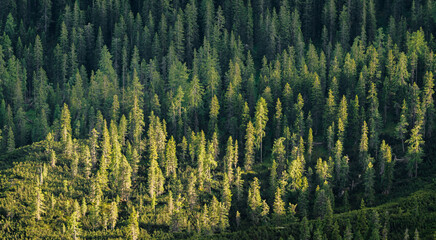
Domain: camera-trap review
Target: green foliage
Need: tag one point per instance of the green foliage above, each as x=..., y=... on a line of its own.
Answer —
x=127, y=107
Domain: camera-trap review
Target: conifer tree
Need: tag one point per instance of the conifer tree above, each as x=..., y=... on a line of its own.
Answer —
x=65, y=123
x=363, y=147
x=249, y=146
x=374, y=117
x=278, y=118
x=369, y=182
x=330, y=109
x=39, y=203
x=155, y=176
x=273, y=175
x=170, y=158
x=133, y=225
x=239, y=183
x=261, y=118
x=93, y=142
x=73, y=224
x=299, y=113
x=124, y=178
x=279, y=205
x=106, y=148
x=10, y=140
x=304, y=229
x=401, y=129
x=254, y=200
x=213, y=114
x=136, y=120
x=414, y=150
x=226, y=192
x=113, y=217
x=386, y=166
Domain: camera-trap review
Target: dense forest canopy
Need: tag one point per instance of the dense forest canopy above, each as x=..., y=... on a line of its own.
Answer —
x=233, y=119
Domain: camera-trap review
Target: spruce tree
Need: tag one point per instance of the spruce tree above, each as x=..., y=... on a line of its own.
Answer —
x=65, y=123
x=133, y=225
x=414, y=150
x=261, y=119
x=249, y=146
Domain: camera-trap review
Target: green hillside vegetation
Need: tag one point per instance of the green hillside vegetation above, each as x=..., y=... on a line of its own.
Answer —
x=202, y=119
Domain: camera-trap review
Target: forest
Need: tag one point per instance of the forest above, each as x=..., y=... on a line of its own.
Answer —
x=206, y=119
